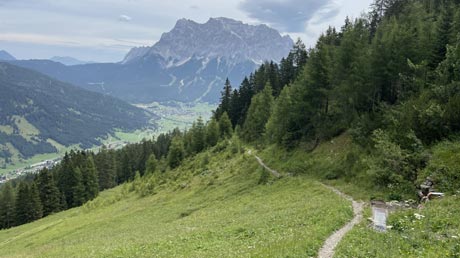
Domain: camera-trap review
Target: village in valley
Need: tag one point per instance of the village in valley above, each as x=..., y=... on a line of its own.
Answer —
x=49, y=163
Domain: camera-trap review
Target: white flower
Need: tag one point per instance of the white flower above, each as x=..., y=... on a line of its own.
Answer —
x=418, y=216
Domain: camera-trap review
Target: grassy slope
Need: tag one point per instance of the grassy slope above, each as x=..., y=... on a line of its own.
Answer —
x=328, y=159
x=437, y=234
x=213, y=208
x=434, y=234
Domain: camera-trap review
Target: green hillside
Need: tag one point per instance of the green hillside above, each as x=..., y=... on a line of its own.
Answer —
x=211, y=206
x=41, y=115
x=222, y=203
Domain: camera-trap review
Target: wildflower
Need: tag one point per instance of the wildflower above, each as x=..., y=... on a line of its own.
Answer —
x=418, y=216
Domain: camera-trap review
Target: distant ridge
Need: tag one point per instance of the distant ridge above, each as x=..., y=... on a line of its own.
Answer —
x=189, y=63
x=67, y=60
x=5, y=56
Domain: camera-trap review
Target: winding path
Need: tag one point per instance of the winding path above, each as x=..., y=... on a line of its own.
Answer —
x=327, y=250
x=261, y=162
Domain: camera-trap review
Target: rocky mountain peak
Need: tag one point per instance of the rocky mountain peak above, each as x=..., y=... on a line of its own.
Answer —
x=217, y=38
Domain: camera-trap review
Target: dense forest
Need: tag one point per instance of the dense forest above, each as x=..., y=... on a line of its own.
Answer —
x=389, y=79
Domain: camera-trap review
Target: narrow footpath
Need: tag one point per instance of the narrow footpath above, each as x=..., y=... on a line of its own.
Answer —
x=327, y=251
x=328, y=248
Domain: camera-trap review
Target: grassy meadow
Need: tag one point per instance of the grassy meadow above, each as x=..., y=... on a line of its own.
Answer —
x=216, y=205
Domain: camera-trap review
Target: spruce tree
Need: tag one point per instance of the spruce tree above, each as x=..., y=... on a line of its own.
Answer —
x=299, y=55
x=90, y=179
x=246, y=93
x=7, y=206
x=36, y=207
x=65, y=179
x=105, y=163
x=235, y=107
x=28, y=205
x=225, y=99
x=443, y=35
x=49, y=192
x=78, y=189
x=23, y=204
x=198, y=136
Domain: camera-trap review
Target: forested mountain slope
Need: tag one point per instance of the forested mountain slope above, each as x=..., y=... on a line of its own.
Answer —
x=38, y=111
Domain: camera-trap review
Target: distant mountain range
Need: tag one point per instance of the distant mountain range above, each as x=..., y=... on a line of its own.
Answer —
x=189, y=63
x=5, y=56
x=218, y=38
x=67, y=60
x=39, y=113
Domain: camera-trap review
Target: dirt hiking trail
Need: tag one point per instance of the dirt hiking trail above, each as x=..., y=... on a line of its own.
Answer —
x=327, y=250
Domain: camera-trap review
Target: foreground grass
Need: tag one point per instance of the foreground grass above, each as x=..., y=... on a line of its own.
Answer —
x=213, y=206
x=436, y=233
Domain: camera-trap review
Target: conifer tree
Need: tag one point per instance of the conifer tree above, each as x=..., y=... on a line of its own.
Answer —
x=198, y=136
x=225, y=126
x=49, y=193
x=151, y=165
x=176, y=152
x=36, y=205
x=65, y=179
x=212, y=133
x=258, y=114
x=299, y=55
x=235, y=107
x=225, y=99
x=90, y=179
x=105, y=163
x=7, y=206
x=278, y=123
x=78, y=189
x=443, y=35
x=246, y=92
x=287, y=71
x=28, y=205
x=23, y=204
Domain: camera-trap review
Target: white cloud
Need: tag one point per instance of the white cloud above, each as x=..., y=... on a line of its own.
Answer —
x=84, y=27
x=124, y=18
x=288, y=15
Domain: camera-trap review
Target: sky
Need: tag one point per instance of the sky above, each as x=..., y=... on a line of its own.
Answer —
x=105, y=30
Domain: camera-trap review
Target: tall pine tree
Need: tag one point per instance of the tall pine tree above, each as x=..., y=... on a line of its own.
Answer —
x=258, y=114
x=7, y=206
x=49, y=192
x=90, y=179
